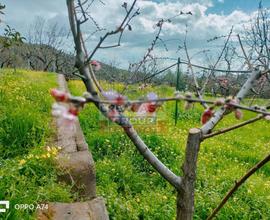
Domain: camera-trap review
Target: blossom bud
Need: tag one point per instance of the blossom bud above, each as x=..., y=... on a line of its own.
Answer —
x=96, y=65
x=267, y=117
x=207, y=114
x=220, y=102
x=59, y=96
x=238, y=114
x=74, y=111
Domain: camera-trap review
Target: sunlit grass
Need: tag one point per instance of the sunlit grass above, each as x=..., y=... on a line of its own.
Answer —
x=27, y=171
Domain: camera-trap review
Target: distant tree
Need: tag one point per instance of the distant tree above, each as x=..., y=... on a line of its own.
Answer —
x=257, y=36
x=11, y=40
x=45, y=49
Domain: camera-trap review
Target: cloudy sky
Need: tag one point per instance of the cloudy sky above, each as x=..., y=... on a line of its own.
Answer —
x=210, y=18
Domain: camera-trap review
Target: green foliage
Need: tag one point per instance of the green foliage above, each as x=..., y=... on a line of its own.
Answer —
x=27, y=171
x=12, y=37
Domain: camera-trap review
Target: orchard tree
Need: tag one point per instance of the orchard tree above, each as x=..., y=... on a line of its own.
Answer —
x=114, y=105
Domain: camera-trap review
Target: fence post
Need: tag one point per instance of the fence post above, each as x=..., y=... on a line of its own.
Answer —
x=177, y=89
x=185, y=198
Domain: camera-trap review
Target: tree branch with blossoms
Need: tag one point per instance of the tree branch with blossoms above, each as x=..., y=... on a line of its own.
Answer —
x=112, y=111
x=113, y=105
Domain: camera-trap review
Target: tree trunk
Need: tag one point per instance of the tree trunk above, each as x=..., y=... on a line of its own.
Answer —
x=185, y=200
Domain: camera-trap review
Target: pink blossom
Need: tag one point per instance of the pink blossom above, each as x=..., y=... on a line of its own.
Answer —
x=110, y=95
x=58, y=110
x=207, y=115
x=66, y=116
x=68, y=120
x=152, y=96
x=149, y=107
x=238, y=114
x=267, y=117
x=220, y=102
x=230, y=104
x=115, y=97
x=69, y=117
x=96, y=65
x=74, y=111
x=59, y=96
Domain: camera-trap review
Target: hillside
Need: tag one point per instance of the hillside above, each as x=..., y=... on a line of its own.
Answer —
x=47, y=58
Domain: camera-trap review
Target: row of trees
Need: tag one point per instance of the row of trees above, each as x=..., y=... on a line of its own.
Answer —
x=44, y=49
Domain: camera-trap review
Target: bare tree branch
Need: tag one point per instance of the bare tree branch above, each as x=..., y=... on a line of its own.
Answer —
x=216, y=63
x=119, y=29
x=225, y=130
x=238, y=184
x=240, y=95
x=197, y=87
x=121, y=120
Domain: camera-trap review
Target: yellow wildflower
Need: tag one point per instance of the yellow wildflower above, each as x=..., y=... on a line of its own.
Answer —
x=30, y=156
x=22, y=162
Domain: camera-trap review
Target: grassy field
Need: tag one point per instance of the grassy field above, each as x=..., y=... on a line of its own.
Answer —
x=134, y=191
x=130, y=186
x=27, y=171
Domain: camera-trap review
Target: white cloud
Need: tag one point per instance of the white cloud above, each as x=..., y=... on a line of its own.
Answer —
x=201, y=25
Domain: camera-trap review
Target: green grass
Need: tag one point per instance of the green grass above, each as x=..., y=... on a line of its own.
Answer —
x=27, y=171
x=134, y=191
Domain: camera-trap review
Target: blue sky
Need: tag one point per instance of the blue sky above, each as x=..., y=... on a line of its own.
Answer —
x=228, y=6
x=210, y=18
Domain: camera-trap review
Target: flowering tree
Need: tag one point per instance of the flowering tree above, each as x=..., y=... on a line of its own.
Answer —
x=113, y=105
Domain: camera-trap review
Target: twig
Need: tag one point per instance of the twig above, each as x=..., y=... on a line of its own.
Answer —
x=146, y=55
x=216, y=70
x=212, y=71
x=238, y=184
x=191, y=64
x=222, y=131
x=240, y=95
x=198, y=89
x=157, y=73
x=118, y=29
x=78, y=75
x=92, y=74
x=244, y=52
x=160, y=100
